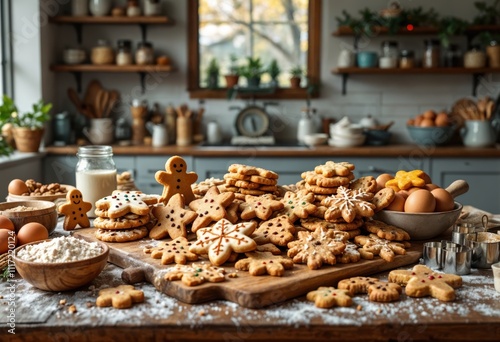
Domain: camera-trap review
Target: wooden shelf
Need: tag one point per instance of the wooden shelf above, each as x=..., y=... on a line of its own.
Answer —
x=111, y=68
x=347, y=31
x=142, y=70
x=476, y=73
x=278, y=93
x=149, y=20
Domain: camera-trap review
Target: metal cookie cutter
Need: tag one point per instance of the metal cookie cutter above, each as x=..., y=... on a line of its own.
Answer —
x=448, y=256
x=461, y=230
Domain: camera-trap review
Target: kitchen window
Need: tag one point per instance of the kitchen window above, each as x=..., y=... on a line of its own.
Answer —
x=286, y=30
x=5, y=49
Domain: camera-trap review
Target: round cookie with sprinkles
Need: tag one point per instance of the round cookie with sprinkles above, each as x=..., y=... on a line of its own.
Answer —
x=121, y=203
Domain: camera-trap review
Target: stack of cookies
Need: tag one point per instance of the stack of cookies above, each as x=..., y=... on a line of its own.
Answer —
x=326, y=178
x=122, y=216
x=250, y=180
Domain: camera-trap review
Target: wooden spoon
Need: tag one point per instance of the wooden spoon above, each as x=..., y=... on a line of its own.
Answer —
x=457, y=188
x=113, y=98
x=90, y=95
x=80, y=106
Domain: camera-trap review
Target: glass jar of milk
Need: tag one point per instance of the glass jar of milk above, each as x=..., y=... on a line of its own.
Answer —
x=95, y=173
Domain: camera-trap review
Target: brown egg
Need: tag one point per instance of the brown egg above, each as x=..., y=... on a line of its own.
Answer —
x=427, y=123
x=404, y=193
x=32, y=232
x=397, y=204
x=420, y=201
x=382, y=179
x=410, y=122
x=429, y=114
x=6, y=223
x=7, y=237
x=17, y=187
x=418, y=119
x=430, y=186
x=444, y=201
x=442, y=120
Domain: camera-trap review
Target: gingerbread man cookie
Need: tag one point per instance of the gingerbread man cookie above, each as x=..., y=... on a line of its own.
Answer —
x=75, y=210
x=327, y=297
x=421, y=281
x=120, y=297
x=175, y=180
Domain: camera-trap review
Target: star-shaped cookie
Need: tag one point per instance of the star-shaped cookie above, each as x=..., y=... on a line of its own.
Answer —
x=122, y=202
x=259, y=206
x=278, y=230
x=172, y=219
x=212, y=207
x=176, y=250
x=222, y=239
x=405, y=180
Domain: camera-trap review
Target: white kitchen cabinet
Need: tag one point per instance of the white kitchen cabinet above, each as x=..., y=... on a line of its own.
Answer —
x=19, y=165
x=482, y=174
x=146, y=169
x=61, y=169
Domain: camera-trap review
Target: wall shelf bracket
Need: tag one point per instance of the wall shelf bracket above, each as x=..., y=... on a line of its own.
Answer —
x=78, y=30
x=78, y=80
x=143, y=31
x=345, y=76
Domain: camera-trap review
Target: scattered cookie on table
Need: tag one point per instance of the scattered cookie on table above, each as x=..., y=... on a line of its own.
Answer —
x=176, y=180
x=327, y=297
x=120, y=297
x=259, y=263
x=75, y=210
x=377, y=290
x=421, y=281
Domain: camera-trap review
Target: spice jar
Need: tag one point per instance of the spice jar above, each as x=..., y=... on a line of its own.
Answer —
x=133, y=9
x=474, y=58
x=139, y=112
x=389, y=56
x=144, y=54
x=406, y=59
x=95, y=173
x=432, y=54
x=124, y=54
x=453, y=56
x=493, y=53
x=102, y=53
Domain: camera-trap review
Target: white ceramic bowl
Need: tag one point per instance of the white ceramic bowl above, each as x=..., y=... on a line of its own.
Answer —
x=74, y=56
x=340, y=141
x=315, y=139
x=421, y=226
x=352, y=129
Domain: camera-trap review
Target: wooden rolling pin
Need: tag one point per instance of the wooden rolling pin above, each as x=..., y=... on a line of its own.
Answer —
x=457, y=188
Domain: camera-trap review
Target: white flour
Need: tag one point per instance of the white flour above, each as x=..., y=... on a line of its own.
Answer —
x=61, y=249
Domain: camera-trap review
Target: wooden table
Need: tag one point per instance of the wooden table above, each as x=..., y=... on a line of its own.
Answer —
x=39, y=315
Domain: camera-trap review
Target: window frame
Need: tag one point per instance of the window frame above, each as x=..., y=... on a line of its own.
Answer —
x=6, y=86
x=313, y=60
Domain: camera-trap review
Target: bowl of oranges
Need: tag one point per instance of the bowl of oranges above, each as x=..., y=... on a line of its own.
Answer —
x=431, y=128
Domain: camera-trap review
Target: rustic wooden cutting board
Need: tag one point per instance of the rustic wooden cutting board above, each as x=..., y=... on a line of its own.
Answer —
x=246, y=290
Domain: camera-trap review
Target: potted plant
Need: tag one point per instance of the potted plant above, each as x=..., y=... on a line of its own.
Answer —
x=213, y=74
x=233, y=75
x=6, y=140
x=274, y=70
x=253, y=71
x=28, y=128
x=295, y=77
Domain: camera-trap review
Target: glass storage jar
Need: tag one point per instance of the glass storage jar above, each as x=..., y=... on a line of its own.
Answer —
x=144, y=54
x=493, y=54
x=103, y=53
x=453, y=56
x=406, y=59
x=389, y=56
x=475, y=58
x=124, y=54
x=95, y=173
x=432, y=54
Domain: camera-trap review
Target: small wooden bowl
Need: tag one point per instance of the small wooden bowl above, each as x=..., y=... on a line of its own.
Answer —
x=45, y=212
x=51, y=198
x=61, y=276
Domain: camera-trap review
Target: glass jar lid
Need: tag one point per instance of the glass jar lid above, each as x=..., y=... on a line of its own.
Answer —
x=95, y=151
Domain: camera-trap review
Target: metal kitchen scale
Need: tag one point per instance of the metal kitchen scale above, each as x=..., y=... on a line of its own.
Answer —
x=252, y=126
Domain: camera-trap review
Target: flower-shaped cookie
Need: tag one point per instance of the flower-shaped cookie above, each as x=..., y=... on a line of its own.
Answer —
x=297, y=205
x=222, y=239
x=259, y=263
x=327, y=297
x=196, y=274
x=315, y=248
x=386, y=249
x=330, y=169
x=348, y=204
x=404, y=180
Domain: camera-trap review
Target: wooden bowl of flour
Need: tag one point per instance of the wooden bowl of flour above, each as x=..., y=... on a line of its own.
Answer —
x=60, y=276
